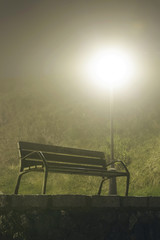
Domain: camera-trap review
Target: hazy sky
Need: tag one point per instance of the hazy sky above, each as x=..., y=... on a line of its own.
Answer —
x=46, y=38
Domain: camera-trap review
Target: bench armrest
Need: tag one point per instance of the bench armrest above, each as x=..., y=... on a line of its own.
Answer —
x=43, y=158
x=29, y=154
x=40, y=154
x=119, y=161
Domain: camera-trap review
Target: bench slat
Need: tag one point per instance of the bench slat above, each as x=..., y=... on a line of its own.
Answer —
x=88, y=172
x=57, y=149
x=64, y=158
x=51, y=165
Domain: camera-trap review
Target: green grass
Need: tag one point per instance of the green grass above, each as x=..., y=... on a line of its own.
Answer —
x=32, y=114
x=143, y=161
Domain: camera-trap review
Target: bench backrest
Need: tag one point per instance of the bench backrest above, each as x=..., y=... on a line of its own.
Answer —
x=59, y=155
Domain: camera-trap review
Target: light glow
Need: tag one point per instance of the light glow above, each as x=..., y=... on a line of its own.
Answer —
x=110, y=67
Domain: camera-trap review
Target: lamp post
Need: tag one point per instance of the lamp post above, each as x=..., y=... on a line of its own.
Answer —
x=112, y=182
x=110, y=68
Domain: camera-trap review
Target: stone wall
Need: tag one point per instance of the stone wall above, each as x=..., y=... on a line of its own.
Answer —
x=79, y=217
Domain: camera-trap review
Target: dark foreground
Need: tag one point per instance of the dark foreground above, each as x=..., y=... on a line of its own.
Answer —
x=79, y=217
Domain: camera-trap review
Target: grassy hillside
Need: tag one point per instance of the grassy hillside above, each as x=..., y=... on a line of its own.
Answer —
x=53, y=114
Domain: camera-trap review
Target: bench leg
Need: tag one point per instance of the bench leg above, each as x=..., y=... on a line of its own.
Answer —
x=127, y=184
x=18, y=182
x=45, y=181
x=100, y=187
x=104, y=179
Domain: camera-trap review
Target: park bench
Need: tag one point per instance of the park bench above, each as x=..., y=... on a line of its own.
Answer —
x=36, y=157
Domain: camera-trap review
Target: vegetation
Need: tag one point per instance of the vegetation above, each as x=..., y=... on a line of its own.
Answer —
x=52, y=112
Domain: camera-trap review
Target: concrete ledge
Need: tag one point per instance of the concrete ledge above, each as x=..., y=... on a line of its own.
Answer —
x=135, y=202
x=19, y=202
x=105, y=202
x=154, y=202
x=69, y=201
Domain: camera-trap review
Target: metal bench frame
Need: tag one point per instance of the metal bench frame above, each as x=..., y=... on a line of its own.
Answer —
x=36, y=157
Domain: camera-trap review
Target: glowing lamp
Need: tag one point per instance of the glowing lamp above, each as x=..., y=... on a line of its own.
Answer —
x=110, y=67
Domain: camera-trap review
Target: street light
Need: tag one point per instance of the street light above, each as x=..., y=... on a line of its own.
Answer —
x=110, y=68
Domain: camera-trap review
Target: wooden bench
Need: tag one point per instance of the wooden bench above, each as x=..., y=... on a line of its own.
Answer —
x=36, y=157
